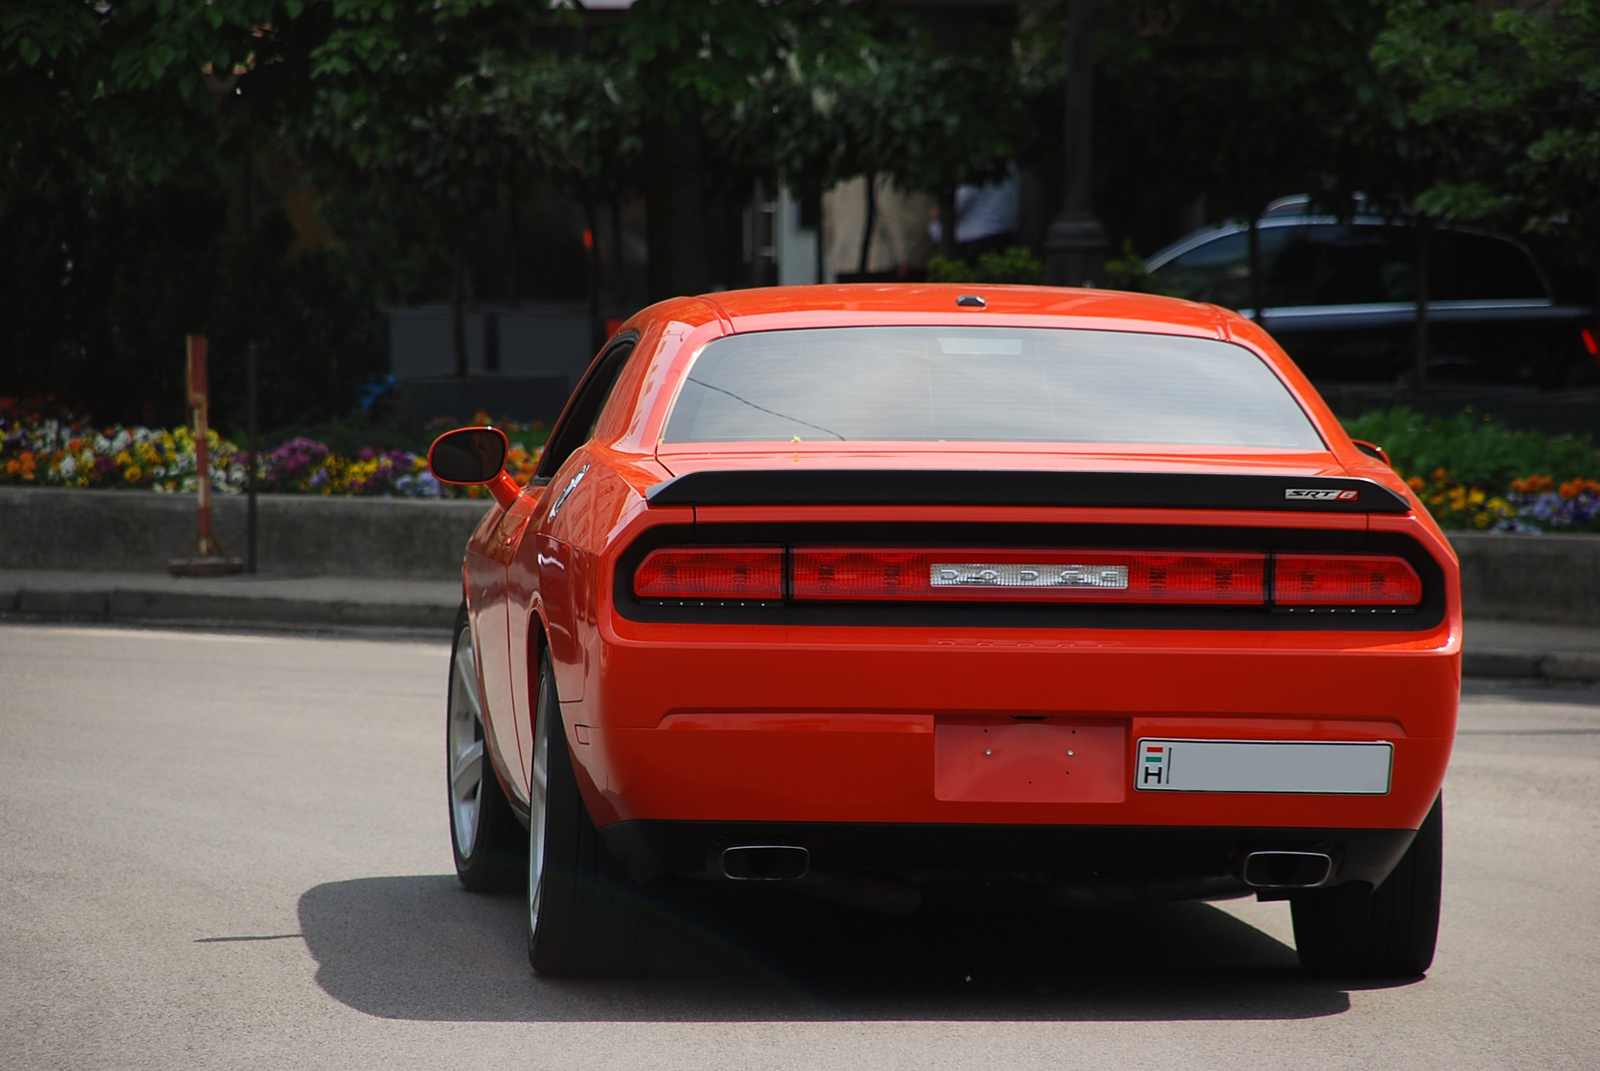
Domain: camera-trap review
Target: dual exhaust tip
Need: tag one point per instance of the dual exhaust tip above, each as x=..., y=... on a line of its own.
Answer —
x=1286, y=870
x=765, y=862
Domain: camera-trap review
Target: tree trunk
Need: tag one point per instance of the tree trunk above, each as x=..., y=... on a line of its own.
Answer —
x=513, y=241
x=1254, y=242
x=597, y=329
x=871, y=220
x=459, y=292
x=675, y=209
x=1422, y=234
x=947, y=222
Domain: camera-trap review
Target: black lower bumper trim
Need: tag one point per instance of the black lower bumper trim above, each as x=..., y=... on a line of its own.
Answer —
x=654, y=848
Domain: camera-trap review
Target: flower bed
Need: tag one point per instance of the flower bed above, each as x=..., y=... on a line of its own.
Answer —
x=63, y=451
x=1485, y=476
x=1532, y=505
x=1482, y=476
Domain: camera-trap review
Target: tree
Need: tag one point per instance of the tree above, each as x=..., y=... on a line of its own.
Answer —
x=126, y=211
x=1525, y=86
x=1238, y=101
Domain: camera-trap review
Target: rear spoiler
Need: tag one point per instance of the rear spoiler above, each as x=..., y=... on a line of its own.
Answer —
x=964, y=487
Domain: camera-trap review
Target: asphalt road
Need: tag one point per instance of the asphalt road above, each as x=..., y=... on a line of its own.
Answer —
x=230, y=851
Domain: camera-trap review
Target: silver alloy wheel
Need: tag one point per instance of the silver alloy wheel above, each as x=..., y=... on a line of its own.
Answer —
x=538, y=794
x=466, y=746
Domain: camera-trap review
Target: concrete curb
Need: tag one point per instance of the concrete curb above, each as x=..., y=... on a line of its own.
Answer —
x=1531, y=665
x=135, y=608
x=272, y=602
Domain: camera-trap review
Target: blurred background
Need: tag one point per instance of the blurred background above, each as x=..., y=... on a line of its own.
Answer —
x=420, y=208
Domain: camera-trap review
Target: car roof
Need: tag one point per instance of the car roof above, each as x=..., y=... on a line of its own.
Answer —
x=1194, y=239
x=939, y=304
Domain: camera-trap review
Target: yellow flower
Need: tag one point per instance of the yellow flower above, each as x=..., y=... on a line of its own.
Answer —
x=133, y=473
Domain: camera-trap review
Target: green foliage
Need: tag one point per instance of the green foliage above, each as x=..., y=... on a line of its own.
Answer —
x=1473, y=448
x=1522, y=87
x=108, y=287
x=1126, y=271
x=1239, y=101
x=1015, y=265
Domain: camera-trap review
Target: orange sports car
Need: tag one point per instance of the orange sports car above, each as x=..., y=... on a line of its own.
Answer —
x=861, y=588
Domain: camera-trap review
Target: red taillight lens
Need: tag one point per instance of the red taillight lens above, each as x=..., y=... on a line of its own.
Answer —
x=1197, y=578
x=710, y=573
x=1344, y=580
x=1029, y=576
x=1589, y=343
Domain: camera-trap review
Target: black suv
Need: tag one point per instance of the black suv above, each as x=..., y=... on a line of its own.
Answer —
x=1340, y=296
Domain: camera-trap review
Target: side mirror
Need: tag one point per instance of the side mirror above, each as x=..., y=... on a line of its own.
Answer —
x=474, y=456
x=1373, y=450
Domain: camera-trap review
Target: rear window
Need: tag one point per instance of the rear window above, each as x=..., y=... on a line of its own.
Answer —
x=936, y=384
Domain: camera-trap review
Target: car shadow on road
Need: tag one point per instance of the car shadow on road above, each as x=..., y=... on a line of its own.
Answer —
x=422, y=948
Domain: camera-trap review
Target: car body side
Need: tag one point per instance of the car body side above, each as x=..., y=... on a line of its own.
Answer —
x=810, y=723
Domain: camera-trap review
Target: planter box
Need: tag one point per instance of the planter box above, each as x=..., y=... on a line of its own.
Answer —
x=297, y=535
x=1529, y=578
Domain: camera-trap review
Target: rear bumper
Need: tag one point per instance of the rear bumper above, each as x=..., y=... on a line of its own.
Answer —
x=1108, y=854
x=806, y=728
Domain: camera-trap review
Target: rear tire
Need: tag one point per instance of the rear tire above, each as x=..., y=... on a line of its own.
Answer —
x=585, y=915
x=485, y=835
x=1388, y=932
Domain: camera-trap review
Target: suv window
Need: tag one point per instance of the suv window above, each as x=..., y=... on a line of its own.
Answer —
x=933, y=384
x=1351, y=264
x=1479, y=267
x=1341, y=264
x=1219, y=271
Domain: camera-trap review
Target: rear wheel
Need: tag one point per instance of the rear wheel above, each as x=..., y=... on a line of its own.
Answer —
x=1387, y=932
x=484, y=832
x=585, y=915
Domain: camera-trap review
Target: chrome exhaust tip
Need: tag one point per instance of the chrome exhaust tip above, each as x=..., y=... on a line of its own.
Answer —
x=765, y=862
x=1286, y=870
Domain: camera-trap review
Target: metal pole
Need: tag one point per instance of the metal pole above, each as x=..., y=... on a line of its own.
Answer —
x=251, y=365
x=209, y=558
x=202, y=445
x=1075, y=246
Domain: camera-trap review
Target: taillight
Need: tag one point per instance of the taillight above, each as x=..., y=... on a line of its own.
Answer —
x=872, y=574
x=1344, y=580
x=1589, y=343
x=710, y=573
x=834, y=573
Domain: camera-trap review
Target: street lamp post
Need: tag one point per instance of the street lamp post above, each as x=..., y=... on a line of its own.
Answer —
x=1075, y=246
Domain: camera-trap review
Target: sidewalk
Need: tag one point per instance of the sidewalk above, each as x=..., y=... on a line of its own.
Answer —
x=1493, y=648
x=262, y=600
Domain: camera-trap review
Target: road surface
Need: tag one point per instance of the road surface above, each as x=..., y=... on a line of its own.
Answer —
x=230, y=851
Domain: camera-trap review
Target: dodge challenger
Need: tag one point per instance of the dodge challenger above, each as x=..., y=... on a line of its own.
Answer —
x=866, y=588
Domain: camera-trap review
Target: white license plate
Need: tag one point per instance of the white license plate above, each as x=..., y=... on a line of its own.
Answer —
x=1350, y=769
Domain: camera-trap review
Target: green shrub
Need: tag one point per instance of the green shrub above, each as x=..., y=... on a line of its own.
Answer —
x=1014, y=265
x=1126, y=271
x=1473, y=448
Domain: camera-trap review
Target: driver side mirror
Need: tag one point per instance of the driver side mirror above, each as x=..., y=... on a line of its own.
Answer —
x=468, y=456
